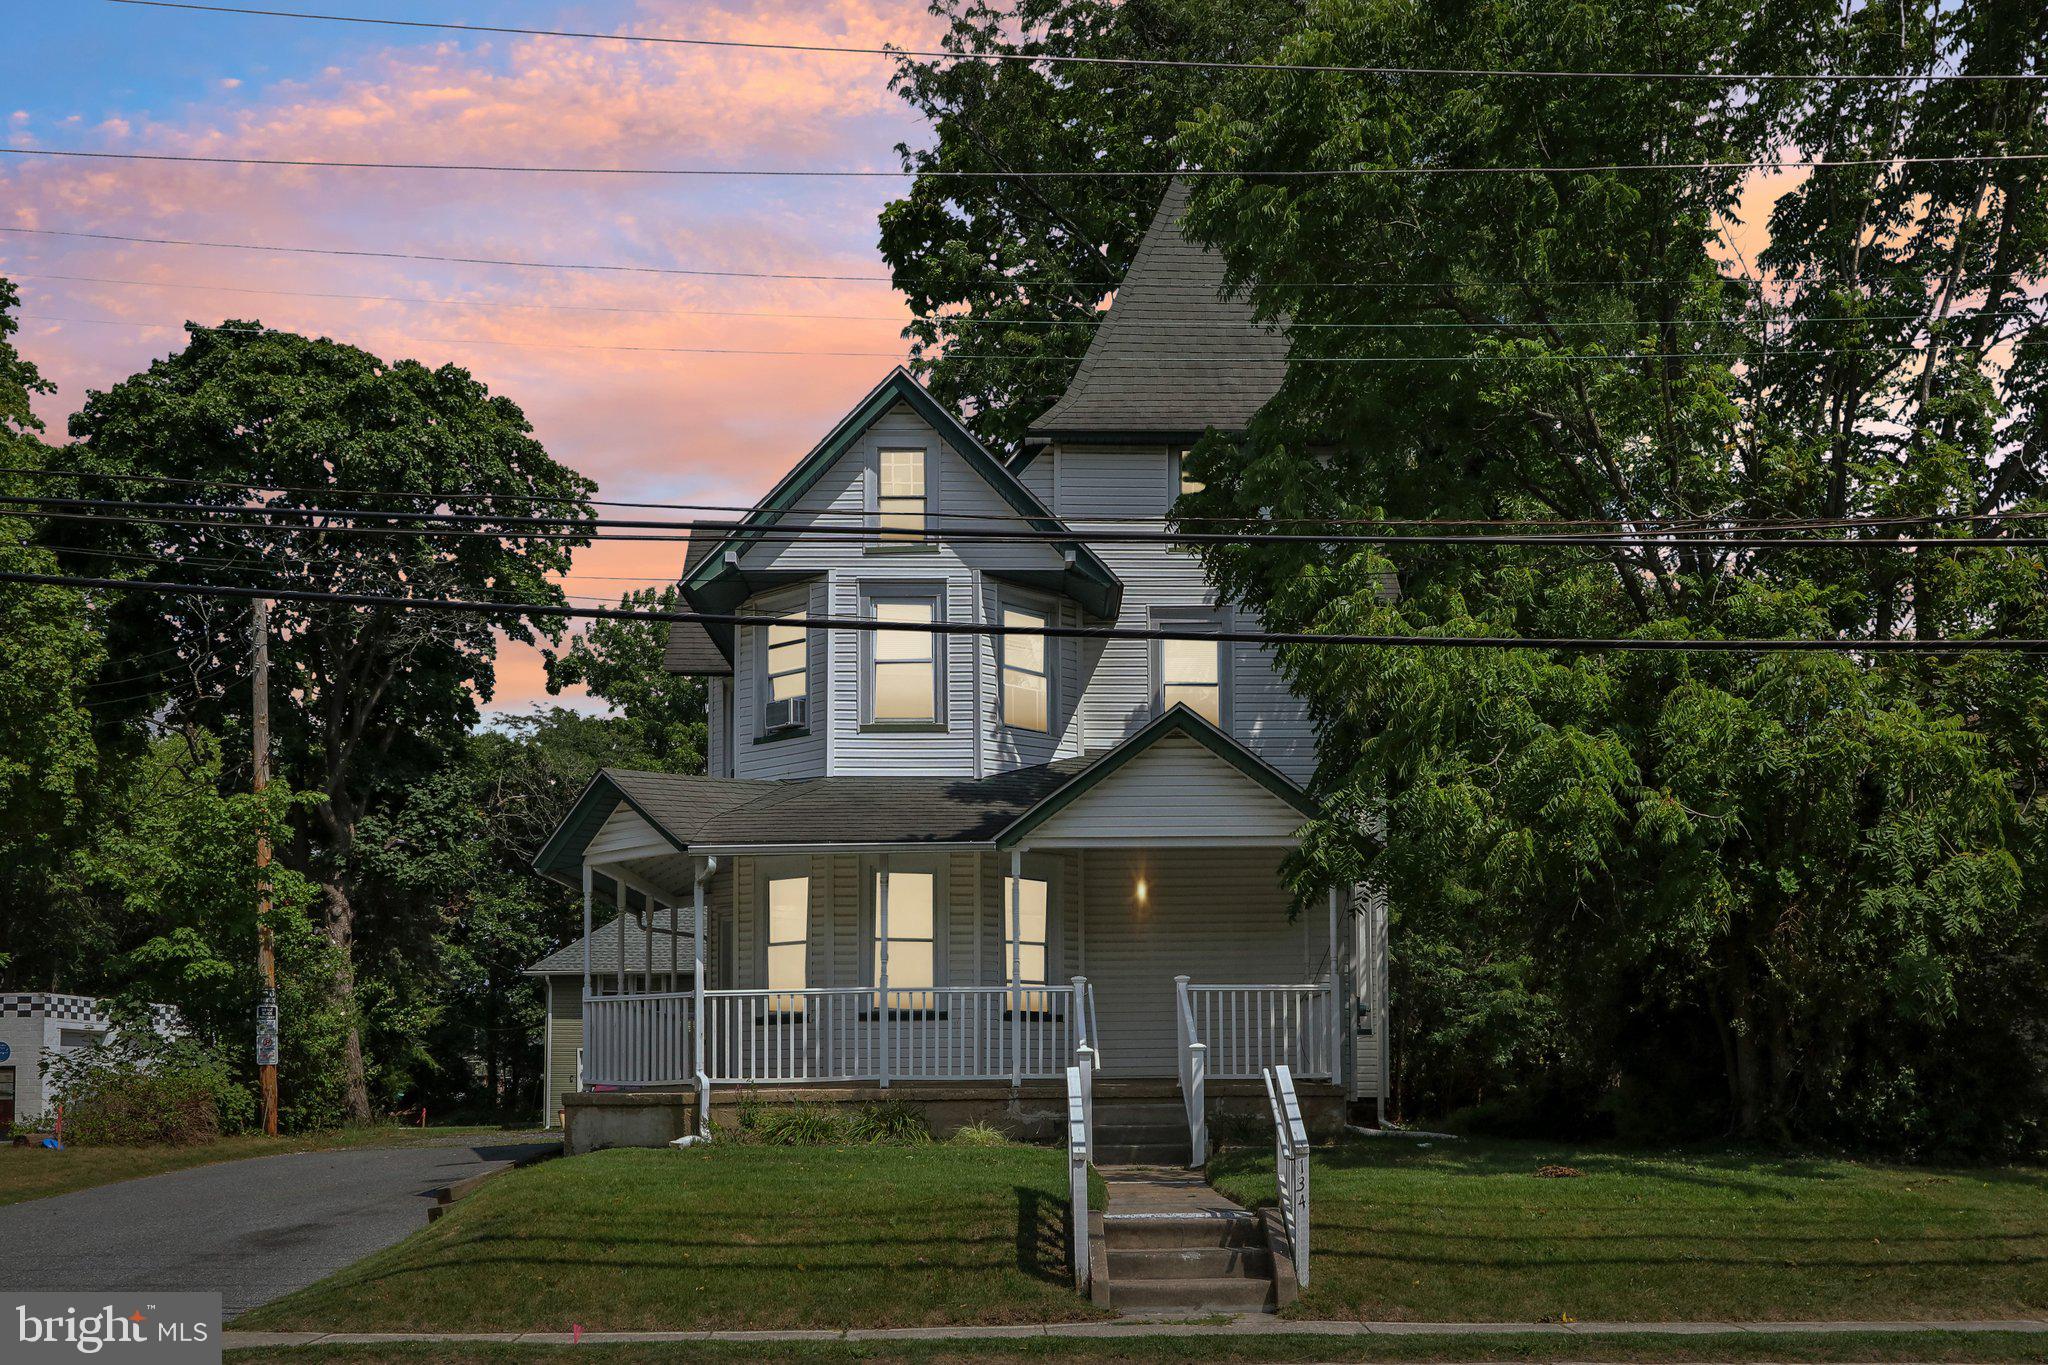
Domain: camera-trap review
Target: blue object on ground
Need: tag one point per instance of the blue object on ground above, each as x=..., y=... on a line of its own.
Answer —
x=53, y=1144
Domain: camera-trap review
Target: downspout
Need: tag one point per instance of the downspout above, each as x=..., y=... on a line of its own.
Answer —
x=705, y=871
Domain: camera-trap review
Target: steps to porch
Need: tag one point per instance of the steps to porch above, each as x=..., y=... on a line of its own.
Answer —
x=1177, y=1246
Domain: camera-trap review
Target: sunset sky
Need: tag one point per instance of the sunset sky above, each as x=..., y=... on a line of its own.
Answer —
x=670, y=427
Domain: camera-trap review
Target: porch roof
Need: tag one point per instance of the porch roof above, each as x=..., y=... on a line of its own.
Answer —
x=716, y=815
x=567, y=960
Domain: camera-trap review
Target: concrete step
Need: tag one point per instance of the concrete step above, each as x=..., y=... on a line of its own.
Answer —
x=1190, y=1263
x=1191, y=1296
x=1141, y=1153
x=1183, y=1231
x=1127, y=1134
x=1139, y=1111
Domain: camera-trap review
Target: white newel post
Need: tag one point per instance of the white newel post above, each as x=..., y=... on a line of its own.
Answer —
x=1016, y=967
x=882, y=960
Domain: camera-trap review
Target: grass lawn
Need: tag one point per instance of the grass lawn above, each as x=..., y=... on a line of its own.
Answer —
x=1466, y=1231
x=35, y=1172
x=723, y=1236
x=1792, y=1349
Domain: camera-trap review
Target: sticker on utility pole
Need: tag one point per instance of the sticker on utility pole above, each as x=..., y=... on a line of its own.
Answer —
x=266, y=1029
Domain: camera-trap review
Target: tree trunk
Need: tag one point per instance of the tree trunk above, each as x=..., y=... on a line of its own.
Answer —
x=340, y=918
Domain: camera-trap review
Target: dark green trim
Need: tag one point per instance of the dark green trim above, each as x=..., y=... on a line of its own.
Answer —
x=582, y=823
x=904, y=727
x=777, y=736
x=1178, y=720
x=714, y=587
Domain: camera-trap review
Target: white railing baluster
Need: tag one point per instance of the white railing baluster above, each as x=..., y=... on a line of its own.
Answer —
x=1080, y=1152
x=1249, y=1028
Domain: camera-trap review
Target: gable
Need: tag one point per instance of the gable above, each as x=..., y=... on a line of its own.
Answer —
x=1177, y=789
x=725, y=578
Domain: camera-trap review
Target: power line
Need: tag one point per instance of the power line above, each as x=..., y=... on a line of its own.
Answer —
x=607, y=268
x=895, y=53
x=509, y=527
x=869, y=625
x=1091, y=173
x=1640, y=524
x=962, y=319
x=1018, y=281
x=1758, y=352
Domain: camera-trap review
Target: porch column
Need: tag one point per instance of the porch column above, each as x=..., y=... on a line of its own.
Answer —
x=619, y=885
x=882, y=962
x=702, y=870
x=1016, y=967
x=1336, y=1014
x=586, y=932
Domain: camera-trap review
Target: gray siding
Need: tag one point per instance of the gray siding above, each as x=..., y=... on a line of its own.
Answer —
x=1136, y=481
x=1216, y=916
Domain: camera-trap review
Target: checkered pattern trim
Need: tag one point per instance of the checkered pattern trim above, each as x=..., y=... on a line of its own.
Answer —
x=79, y=1009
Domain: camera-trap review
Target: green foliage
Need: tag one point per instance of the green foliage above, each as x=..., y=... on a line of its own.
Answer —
x=141, y=1087
x=987, y=264
x=888, y=1123
x=174, y=865
x=980, y=1135
x=49, y=652
x=1805, y=888
x=620, y=663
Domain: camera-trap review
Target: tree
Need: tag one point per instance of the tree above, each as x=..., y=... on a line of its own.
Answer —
x=1007, y=275
x=620, y=662
x=49, y=653
x=1814, y=878
x=367, y=699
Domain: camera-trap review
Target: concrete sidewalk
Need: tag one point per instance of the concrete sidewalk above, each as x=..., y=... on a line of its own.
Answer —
x=1253, y=1325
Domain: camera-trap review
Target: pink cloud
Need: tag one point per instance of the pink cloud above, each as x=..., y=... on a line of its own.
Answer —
x=645, y=423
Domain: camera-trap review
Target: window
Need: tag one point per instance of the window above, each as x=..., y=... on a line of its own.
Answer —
x=1190, y=673
x=1182, y=484
x=900, y=501
x=908, y=932
x=903, y=665
x=1027, y=681
x=786, y=678
x=1027, y=938
x=789, y=914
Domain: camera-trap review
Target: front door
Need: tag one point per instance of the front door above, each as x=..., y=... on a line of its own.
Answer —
x=6, y=1097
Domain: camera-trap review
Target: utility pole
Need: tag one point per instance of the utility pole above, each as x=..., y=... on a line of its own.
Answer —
x=266, y=947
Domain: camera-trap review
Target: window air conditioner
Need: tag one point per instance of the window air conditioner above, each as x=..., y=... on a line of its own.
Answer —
x=791, y=713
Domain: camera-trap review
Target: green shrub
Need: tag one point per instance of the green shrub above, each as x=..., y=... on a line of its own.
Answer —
x=896, y=1123
x=979, y=1135
x=141, y=1088
x=799, y=1125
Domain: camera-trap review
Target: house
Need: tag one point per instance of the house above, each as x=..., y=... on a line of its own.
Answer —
x=658, y=958
x=941, y=862
x=38, y=1028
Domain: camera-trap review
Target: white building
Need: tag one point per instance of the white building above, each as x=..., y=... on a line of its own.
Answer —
x=35, y=1030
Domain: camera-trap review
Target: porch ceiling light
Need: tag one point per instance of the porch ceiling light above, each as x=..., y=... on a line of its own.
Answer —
x=1142, y=891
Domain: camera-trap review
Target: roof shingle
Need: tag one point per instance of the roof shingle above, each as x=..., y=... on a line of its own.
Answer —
x=1175, y=356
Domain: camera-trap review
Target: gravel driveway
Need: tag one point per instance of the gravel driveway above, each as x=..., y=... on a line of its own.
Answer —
x=253, y=1229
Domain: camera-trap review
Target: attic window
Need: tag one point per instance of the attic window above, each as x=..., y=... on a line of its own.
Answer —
x=1182, y=484
x=900, y=503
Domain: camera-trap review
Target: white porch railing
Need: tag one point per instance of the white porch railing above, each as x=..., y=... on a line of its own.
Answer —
x=1250, y=1028
x=1290, y=1165
x=1080, y=1152
x=1194, y=1074
x=763, y=1037
x=636, y=1040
